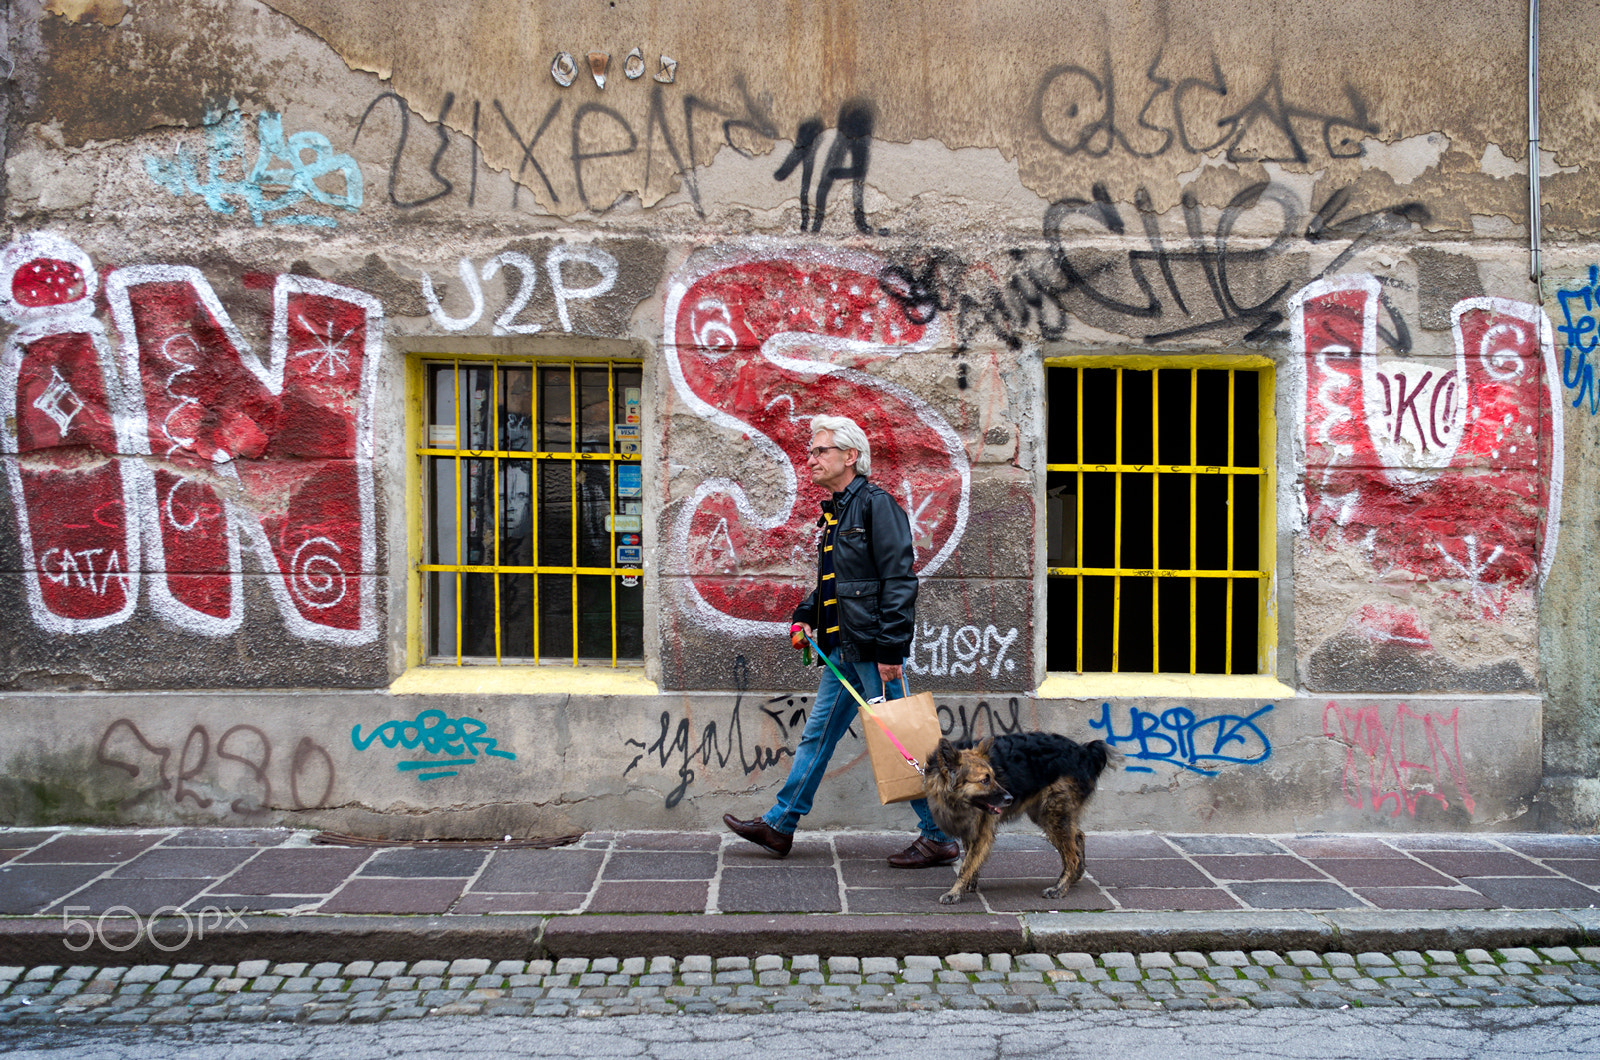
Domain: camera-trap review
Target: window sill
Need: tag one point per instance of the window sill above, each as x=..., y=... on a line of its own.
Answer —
x=1162, y=686
x=524, y=681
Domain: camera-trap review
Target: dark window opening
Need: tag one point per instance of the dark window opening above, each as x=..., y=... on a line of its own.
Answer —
x=1142, y=494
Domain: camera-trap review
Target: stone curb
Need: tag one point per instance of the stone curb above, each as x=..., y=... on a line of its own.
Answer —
x=828, y=934
x=1171, y=932
x=112, y=941
x=1349, y=931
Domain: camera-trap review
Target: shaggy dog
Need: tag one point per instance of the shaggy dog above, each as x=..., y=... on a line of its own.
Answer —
x=973, y=789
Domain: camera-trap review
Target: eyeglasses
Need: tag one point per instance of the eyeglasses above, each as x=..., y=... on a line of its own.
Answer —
x=817, y=450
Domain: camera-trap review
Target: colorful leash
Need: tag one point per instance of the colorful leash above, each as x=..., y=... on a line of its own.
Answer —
x=867, y=710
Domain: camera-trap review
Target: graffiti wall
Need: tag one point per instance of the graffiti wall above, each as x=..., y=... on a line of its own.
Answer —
x=142, y=471
x=1439, y=474
x=344, y=761
x=216, y=307
x=758, y=345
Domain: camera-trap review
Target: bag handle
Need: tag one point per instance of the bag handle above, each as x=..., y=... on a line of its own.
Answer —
x=868, y=711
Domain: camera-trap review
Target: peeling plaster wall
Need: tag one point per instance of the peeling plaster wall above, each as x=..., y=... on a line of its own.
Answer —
x=895, y=210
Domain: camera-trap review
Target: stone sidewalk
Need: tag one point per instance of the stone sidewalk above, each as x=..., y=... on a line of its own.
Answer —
x=221, y=896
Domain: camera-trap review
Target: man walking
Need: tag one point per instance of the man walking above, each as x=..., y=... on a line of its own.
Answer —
x=861, y=614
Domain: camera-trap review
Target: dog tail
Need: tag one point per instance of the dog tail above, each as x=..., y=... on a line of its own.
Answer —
x=1101, y=755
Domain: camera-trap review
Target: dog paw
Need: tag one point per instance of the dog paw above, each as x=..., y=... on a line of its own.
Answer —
x=950, y=898
x=1055, y=892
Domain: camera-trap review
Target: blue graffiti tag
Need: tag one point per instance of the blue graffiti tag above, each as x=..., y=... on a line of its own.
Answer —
x=1180, y=737
x=1582, y=333
x=438, y=734
x=296, y=181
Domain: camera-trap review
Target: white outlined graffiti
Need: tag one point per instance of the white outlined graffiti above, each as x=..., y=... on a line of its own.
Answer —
x=183, y=442
x=1454, y=474
x=759, y=343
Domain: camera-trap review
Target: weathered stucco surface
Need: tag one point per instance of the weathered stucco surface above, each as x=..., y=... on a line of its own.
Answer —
x=340, y=761
x=899, y=210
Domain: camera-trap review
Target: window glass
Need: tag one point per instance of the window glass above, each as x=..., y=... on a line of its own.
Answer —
x=533, y=547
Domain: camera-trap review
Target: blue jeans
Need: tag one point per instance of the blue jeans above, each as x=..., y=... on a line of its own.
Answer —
x=831, y=715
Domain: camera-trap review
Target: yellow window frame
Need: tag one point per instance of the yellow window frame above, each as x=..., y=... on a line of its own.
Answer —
x=1266, y=548
x=420, y=450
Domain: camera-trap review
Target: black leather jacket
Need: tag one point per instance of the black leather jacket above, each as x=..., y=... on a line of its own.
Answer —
x=874, y=568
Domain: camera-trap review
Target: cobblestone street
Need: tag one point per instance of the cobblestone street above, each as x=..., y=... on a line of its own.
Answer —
x=366, y=991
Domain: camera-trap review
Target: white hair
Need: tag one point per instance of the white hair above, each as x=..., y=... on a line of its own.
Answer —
x=847, y=434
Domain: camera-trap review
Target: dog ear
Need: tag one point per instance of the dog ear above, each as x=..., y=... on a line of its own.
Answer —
x=984, y=745
x=946, y=756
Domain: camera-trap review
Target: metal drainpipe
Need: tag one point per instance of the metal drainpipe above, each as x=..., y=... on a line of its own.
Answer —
x=1535, y=222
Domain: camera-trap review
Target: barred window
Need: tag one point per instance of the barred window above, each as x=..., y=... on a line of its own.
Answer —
x=1160, y=515
x=534, y=505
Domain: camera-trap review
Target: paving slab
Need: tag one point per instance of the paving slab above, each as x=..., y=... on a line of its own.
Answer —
x=244, y=892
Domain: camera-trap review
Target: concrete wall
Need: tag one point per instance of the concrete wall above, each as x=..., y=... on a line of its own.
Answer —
x=346, y=761
x=231, y=223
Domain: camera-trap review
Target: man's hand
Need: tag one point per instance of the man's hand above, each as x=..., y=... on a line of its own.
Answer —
x=889, y=672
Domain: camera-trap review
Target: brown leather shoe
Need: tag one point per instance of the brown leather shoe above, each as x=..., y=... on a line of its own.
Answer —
x=925, y=854
x=761, y=834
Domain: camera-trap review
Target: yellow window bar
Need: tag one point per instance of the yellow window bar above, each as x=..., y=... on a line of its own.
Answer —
x=572, y=490
x=1227, y=636
x=493, y=456
x=1155, y=519
x=1116, y=548
x=1194, y=485
x=1078, y=508
x=1194, y=472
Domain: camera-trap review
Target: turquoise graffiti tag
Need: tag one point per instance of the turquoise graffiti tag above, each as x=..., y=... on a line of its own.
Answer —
x=457, y=741
x=288, y=172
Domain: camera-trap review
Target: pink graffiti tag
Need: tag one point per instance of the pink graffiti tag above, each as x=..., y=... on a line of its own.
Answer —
x=759, y=346
x=1396, y=762
x=1448, y=469
x=196, y=442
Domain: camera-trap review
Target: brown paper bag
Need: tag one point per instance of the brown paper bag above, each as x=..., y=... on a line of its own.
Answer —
x=915, y=723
